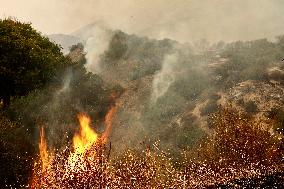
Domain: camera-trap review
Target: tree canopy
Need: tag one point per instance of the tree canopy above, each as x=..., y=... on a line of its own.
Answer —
x=27, y=59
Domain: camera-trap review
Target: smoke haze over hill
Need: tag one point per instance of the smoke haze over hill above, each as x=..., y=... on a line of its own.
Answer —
x=180, y=20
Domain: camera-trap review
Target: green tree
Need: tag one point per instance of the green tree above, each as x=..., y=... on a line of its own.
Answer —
x=27, y=59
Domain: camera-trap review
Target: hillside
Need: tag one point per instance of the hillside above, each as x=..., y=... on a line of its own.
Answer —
x=170, y=88
x=142, y=113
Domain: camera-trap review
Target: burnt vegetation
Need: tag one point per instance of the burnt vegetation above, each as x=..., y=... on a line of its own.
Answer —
x=239, y=154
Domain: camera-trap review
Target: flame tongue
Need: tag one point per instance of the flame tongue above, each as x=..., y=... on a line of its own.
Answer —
x=84, y=140
x=49, y=171
x=108, y=123
x=43, y=150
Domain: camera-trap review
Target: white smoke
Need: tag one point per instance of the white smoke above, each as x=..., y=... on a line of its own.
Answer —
x=165, y=77
x=97, y=38
x=66, y=83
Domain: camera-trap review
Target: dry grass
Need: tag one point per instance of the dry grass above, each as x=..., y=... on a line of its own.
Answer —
x=238, y=149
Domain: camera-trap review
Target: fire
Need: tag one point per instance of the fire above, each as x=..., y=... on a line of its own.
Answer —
x=86, y=137
x=87, y=164
x=82, y=142
x=108, y=122
x=43, y=150
x=41, y=167
x=48, y=170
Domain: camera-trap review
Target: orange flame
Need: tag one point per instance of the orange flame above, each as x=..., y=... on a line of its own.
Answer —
x=43, y=150
x=108, y=122
x=42, y=165
x=83, y=143
x=84, y=140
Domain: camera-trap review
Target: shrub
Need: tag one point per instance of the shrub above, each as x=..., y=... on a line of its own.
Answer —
x=277, y=115
x=209, y=108
x=250, y=107
x=240, y=142
x=16, y=153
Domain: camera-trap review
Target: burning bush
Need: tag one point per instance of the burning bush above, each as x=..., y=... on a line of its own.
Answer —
x=79, y=167
x=239, y=149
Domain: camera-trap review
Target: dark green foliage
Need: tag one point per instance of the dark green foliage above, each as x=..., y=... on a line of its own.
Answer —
x=79, y=46
x=117, y=48
x=277, y=114
x=190, y=85
x=16, y=152
x=54, y=107
x=139, y=56
x=209, y=108
x=165, y=109
x=57, y=105
x=249, y=60
x=161, y=119
x=27, y=59
x=250, y=107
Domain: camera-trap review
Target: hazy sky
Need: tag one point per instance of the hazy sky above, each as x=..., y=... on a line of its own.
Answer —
x=183, y=20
